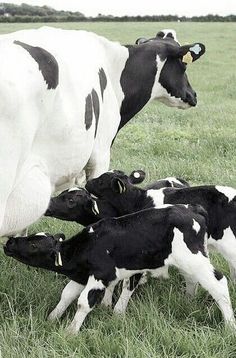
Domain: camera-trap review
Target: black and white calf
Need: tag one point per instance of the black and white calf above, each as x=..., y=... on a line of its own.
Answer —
x=76, y=204
x=172, y=182
x=218, y=201
x=117, y=248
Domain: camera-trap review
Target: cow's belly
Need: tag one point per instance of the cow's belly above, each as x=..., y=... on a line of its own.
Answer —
x=64, y=142
x=66, y=155
x=66, y=147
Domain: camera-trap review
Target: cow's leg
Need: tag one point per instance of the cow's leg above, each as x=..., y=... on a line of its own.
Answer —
x=27, y=202
x=98, y=163
x=8, y=174
x=90, y=296
x=129, y=286
x=69, y=294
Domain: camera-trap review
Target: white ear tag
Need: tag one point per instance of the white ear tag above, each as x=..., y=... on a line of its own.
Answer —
x=59, y=259
x=121, y=188
x=196, y=49
x=95, y=208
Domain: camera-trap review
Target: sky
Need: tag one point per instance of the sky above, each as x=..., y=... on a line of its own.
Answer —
x=144, y=7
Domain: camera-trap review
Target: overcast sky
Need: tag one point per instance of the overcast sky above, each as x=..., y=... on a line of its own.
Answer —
x=144, y=7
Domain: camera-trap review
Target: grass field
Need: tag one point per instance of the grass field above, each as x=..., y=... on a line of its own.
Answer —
x=199, y=145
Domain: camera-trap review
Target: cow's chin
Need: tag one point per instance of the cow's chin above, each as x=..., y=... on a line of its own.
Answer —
x=172, y=101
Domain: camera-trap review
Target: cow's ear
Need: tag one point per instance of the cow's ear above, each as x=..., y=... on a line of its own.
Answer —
x=189, y=53
x=137, y=176
x=118, y=186
x=160, y=34
x=140, y=41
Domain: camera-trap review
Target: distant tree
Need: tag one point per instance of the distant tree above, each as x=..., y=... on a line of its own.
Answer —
x=30, y=13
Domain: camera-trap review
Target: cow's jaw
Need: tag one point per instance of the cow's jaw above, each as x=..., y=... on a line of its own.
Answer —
x=160, y=93
x=172, y=101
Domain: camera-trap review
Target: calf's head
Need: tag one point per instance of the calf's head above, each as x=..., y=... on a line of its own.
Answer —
x=74, y=204
x=114, y=182
x=38, y=250
x=171, y=85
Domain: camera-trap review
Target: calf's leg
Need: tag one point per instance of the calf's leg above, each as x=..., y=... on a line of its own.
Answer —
x=216, y=284
x=107, y=299
x=198, y=267
x=191, y=285
x=69, y=294
x=227, y=248
x=129, y=286
x=90, y=296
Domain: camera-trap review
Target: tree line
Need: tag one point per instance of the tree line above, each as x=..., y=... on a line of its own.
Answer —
x=29, y=13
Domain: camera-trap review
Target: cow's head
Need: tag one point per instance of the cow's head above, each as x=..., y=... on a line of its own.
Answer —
x=38, y=250
x=74, y=204
x=171, y=84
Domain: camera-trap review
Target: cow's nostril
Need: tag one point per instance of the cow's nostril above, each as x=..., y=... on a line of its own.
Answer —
x=191, y=98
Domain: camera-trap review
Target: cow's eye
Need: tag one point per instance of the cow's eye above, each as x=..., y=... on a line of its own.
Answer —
x=33, y=246
x=71, y=200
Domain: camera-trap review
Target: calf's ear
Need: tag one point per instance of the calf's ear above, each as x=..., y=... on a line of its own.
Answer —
x=140, y=41
x=118, y=186
x=137, y=176
x=60, y=237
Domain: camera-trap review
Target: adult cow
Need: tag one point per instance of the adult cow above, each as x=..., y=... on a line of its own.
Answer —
x=63, y=96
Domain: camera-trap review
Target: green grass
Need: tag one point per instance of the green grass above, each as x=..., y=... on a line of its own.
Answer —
x=199, y=145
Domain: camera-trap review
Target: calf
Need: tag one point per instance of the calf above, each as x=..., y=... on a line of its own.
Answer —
x=168, y=182
x=117, y=248
x=218, y=201
x=76, y=204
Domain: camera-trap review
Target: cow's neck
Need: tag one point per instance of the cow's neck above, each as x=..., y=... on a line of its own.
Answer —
x=137, y=81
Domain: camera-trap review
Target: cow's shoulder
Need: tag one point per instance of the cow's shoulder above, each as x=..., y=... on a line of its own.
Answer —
x=46, y=61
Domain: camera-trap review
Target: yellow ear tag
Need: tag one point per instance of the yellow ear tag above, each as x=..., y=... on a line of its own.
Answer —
x=187, y=58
